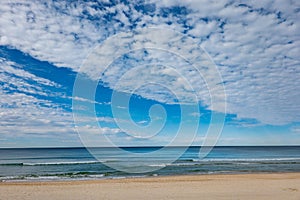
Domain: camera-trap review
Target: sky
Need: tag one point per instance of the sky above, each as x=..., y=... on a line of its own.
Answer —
x=149, y=73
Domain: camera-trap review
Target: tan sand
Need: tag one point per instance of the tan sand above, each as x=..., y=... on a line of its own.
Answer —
x=246, y=186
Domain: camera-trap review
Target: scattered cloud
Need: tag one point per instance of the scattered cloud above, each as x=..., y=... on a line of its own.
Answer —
x=295, y=129
x=255, y=45
x=21, y=113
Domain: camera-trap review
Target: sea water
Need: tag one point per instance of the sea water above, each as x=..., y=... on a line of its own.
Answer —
x=34, y=164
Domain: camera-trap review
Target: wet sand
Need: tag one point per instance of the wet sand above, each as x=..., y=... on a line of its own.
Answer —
x=239, y=186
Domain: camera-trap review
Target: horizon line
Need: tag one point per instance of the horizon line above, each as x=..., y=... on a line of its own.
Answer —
x=82, y=147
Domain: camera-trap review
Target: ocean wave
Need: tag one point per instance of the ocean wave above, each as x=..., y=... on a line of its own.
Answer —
x=248, y=159
x=50, y=163
x=176, y=163
x=61, y=163
x=183, y=164
x=237, y=159
x=69, y=176
x=234, y=161
x=58, y=176
x=157, y=165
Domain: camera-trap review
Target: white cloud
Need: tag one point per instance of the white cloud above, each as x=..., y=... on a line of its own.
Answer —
x=255, y=44
x=295, y=129
x=24, y=113
x=88, y=129
x=21, y=113
x=14, y=77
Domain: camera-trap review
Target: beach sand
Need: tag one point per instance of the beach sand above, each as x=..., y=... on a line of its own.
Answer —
x=240, y=186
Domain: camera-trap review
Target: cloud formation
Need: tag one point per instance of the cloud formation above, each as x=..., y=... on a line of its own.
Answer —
x=254, y=44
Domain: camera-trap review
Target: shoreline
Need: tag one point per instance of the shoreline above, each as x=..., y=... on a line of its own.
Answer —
x=69, y=180
x=212, y=186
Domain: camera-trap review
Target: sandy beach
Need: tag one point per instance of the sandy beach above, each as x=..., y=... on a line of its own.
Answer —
x=239, y=186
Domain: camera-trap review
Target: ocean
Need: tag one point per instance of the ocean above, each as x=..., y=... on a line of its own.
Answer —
x=36, y=164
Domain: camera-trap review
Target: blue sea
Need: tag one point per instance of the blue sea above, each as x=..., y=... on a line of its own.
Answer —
x=36, y=164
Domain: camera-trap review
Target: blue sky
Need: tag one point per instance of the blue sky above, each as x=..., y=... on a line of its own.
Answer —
x=182, y=65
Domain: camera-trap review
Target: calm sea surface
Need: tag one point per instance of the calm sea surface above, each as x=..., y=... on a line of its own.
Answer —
x=33, y=164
